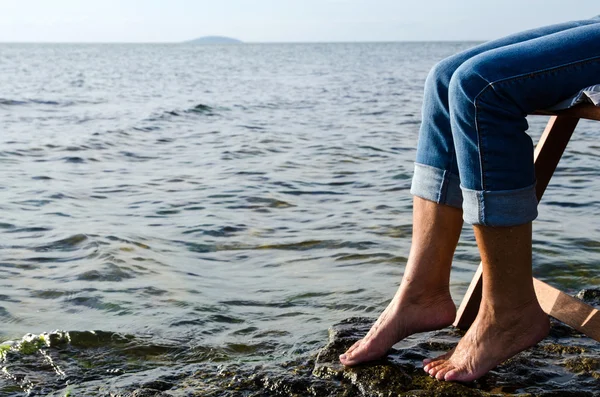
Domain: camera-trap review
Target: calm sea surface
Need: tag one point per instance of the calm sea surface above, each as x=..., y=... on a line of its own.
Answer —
x=224, y=205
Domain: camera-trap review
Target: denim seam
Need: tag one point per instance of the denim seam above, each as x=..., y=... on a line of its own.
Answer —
x=512, y=79
x=479, y=151
x=444, y=187
x=427, y=166
x=482, y=207
x=438, y=198
x=434, y=168
x=490, y=84
x=540, y=72
x=452, y=156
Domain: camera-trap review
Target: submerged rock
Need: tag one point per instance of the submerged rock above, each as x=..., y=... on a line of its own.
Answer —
x=564, y=364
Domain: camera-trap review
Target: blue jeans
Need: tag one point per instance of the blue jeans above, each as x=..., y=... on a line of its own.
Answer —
x=473, y=150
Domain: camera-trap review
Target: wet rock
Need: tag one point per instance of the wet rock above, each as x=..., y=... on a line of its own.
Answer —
x=558, y=349
x=536, y=372
x=590, y=296
x=563, y=393
x=149, y=393
x=393, y=376
x=583, y=365
x=565, y=364
x=158, y=385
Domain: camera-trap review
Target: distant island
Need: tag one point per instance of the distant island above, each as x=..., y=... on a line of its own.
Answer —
x=215, y=40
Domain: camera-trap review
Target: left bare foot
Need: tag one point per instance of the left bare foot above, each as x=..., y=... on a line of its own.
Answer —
x=493, y=338
x=412, y=310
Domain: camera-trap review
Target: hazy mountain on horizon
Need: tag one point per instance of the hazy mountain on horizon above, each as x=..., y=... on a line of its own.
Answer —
x=215, y=40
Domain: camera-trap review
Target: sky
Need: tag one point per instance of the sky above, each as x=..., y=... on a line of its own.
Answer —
x=279, y=20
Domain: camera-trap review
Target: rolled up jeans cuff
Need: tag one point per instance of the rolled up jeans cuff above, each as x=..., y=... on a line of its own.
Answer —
x=500, y=208
x=437, y=185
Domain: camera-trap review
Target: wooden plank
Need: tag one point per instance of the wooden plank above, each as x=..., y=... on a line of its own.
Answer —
x=470, y=304
x=550, y=149
x=571, y=311
x=585, y=111
x=579, y=315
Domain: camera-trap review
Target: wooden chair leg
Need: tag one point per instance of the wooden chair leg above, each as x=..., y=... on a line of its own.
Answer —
x=550, y=149
x=579, y=315
x=547, y=154
x=583, y=317
x=470, y=304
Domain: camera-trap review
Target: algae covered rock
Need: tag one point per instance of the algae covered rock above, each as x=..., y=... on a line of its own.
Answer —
x=564, y=364
x=397, y=375
x=31, y=343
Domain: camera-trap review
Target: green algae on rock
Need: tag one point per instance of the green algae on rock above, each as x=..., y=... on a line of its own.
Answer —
x=31, y=343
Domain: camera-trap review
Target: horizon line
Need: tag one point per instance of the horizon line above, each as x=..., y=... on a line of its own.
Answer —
x=190, y=42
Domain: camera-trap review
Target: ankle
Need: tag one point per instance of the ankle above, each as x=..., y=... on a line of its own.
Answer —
x=503, y=308
x=425, y=285
x=424, y=294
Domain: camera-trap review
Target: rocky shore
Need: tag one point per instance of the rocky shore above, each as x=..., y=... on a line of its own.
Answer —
x=69, y=364
x=565, y=364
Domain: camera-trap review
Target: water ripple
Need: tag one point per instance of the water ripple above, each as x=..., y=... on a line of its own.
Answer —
x=223, y=205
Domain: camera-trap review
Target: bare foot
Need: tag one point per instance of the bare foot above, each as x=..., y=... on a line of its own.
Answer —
x=408, y=313
x=493, y=338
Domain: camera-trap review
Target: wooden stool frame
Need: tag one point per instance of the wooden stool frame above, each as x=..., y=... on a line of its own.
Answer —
x=554, y=302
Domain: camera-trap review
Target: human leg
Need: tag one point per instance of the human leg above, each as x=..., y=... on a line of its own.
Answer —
x=436, y=179
x=436, y=170
x=510, y=318
x=423, y=301
x=490, y=95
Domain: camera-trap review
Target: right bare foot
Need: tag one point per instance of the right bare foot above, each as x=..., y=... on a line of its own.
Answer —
x=496, y=335
x=409, y=312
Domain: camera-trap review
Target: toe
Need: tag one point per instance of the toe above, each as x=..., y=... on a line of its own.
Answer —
x=433, y=371
x=435, y=367
x=460, y=375
x=451, y=375
x=429, y=366
x=443, y=370
x=430, y=371
x=444, y=356
x=354, y=347
x=434, y=364
x=364, y=352
x=346, y=358
x=439, y=375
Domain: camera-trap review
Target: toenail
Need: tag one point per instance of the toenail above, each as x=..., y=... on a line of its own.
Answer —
x=343, y=357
